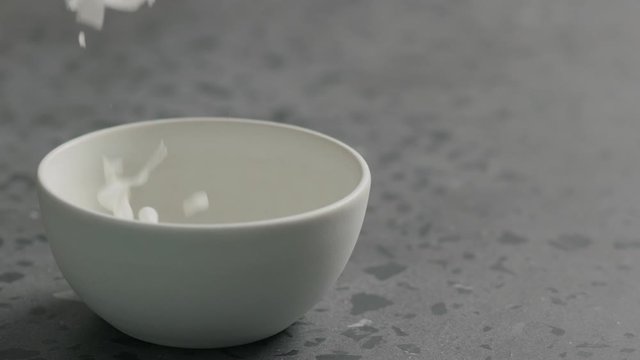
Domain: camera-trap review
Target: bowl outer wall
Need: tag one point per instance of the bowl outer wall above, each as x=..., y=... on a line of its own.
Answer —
x=202, y=287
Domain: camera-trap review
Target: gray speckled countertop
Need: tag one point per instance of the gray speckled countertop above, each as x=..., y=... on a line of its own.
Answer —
x=503, y=137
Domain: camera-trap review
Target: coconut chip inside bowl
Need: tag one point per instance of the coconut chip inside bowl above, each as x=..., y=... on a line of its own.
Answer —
x=115, y=195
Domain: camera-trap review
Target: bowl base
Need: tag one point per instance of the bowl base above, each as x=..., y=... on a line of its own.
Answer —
x=198, y=344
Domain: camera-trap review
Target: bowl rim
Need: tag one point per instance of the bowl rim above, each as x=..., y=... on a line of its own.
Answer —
x=362, y=185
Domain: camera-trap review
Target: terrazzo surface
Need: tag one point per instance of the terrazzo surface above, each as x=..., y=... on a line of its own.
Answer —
x=503, y=138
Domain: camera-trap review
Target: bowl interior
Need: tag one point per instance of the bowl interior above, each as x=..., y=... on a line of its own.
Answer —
x=251, y=170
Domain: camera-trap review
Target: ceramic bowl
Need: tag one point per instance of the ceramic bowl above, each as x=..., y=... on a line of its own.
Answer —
x=286, y=208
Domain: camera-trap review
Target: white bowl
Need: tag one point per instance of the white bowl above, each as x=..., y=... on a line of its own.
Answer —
x=287, y=205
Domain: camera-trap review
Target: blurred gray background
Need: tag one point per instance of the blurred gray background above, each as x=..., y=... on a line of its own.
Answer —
x=503, y=137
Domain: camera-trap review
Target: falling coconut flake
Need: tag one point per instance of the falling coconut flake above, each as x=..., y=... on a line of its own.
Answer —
x=81, y=40
x=126, y=5
x=114, y=196
x=91, y=12
x=88, y=12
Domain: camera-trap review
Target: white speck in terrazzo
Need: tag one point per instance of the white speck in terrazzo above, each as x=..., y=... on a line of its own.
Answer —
x=68, y=295
x=361, y=323
x=463, y=288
